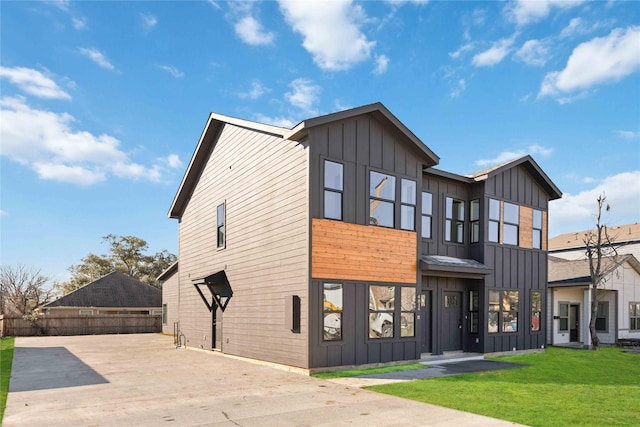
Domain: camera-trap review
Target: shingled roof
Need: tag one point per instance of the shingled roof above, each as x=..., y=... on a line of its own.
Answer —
x=568, y=272
x=113, y=290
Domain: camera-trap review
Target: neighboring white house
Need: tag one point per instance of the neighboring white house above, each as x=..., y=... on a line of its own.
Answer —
x=626, y=239
x=570, y=301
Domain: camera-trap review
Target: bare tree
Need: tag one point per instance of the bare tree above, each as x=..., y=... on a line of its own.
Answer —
x=22, y=289
x=601, y=254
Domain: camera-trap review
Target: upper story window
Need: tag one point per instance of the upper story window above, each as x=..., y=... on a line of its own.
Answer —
x=221, y=226
x=454, y=224
x=494, y=220
x=408, y=204
x=427, y=213
x=333, y=189
x=474, y=219
x=510, y=228
x=537, y=229
x=382, y=196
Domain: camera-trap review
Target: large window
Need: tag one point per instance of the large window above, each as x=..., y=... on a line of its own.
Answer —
x=634, y=316
x=503, y=311
x=382, y=196
x=332, y=311
x=408, y=205
x=537, y=229
x=474, y=219
x=474, y=306
x=563, y=317
x=454, y=220
x=602, y=317
x=511, y=224
x=494, y=220
x=333, y=189
x=381, y=311
x=221, y=228
x=536, y=310
x=427, y=213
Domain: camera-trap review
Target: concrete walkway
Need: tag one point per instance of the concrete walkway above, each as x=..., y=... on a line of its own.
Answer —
x=142, y=380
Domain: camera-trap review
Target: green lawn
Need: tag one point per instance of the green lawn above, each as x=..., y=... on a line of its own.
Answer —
x=560, y=387
x=6, y=360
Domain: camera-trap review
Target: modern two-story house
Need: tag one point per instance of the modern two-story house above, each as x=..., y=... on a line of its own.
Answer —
x=337, y=243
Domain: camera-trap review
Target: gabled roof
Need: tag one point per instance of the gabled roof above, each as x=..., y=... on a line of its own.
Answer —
x=576, y=272
x=170, y=271
x=113, y=290
x=620, y=235
x=216, y=122
x=530, y=165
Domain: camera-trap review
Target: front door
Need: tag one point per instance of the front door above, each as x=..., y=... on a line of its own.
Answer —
x=574, y=322
x=452, y=321
x=425, y=319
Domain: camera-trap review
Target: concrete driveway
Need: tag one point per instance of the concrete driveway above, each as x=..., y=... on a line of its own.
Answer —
x=142, y=380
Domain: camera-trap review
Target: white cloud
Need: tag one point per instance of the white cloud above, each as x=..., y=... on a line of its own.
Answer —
x=173, y=161
x=401, y=2
x=33, y=82
x=575, y=26
x=331, y=31
x=97, y=57
x=382, y=63
x=524, y=12
x=494, y=55
x=172, y=70
x=600, y=60
x=457, y=90
x=3, y=213
x=214, y=4
x=148, y=22
x=628, y=134
x=533, y=52
x=252, y=32
x=577, y=212
x=256, y=91
x=283, y=122
x=461, y=50
x=505, y=156
x=79, y=23
x=46, y=142
x=304, y=95
x=60, y=4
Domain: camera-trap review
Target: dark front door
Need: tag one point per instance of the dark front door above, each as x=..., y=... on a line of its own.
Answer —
x=574, y=322
x=425, y=319
x=452, y=321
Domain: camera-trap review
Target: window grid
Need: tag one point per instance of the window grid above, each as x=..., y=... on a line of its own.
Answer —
x=494, y=221
x=474, y=219
x=408, y=205
x=332, y=297
x=634, y=316
x=511, y=224
x=563, y=314
x=602, y=317
x=536, y=237
x=454, y=220
x=333, y=190
x=382, y=198
x=427, y=214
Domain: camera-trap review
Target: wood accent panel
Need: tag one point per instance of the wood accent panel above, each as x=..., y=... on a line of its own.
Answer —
x=544, y=230
x=526, y=227
x=344, y=251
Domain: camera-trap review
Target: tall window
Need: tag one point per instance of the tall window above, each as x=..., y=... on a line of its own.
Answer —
x=408, y=205
x=563, y=314
x=536, y=310
x=634, y=316
x=454, y=224
x=333, y=189
x=381, y=311
x=332, y=311
x=408, y=311
x=494, y=312
x=602, y=316
x=503, y=311
x=494, y=220
x=221, y=228
x=511, y=224
x=427, y=213
x=382, y=196
x=474, y=306
x=474, y=218
x=537, y=229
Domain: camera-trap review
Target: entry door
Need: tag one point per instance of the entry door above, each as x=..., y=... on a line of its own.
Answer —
x=425, y=319
x=574, y=322
x=452, y=321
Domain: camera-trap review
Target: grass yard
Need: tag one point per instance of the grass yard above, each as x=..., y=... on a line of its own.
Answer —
x=6, y=360
x=560, y=387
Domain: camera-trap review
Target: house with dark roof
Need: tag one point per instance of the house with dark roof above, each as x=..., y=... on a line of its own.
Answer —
x=337, y=242
x=115, y=293
x=569, y=295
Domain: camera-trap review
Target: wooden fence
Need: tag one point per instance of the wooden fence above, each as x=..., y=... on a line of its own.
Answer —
x=81, y=325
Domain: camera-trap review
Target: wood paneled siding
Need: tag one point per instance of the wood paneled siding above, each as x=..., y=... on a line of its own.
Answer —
x=360, y=144
x=262, y=179
x=358, y=252
x=170, y=298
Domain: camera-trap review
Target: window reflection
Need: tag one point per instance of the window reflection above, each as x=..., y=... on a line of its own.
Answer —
x=381, y=308
x=332, y=308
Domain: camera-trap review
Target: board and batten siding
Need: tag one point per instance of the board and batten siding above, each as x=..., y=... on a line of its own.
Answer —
x=262, y=179
x=170, y=298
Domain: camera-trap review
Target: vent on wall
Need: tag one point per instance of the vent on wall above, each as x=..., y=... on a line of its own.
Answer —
x=292, y=313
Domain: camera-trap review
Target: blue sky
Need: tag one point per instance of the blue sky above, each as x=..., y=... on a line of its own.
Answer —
x=102, y=103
